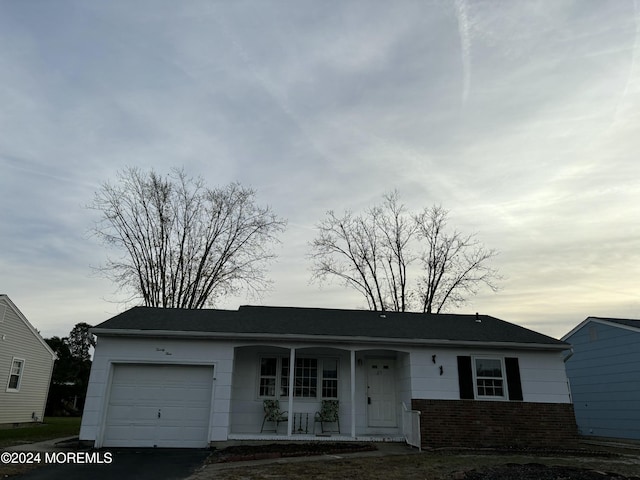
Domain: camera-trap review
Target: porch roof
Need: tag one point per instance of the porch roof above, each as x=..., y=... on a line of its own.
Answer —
x=291, y=323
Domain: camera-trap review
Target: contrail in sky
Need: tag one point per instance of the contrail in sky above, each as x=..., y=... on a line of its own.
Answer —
x=465, y=47
x=632, y=67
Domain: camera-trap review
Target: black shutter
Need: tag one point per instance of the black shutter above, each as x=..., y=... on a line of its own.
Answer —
x=465, y=378
x=513, y=378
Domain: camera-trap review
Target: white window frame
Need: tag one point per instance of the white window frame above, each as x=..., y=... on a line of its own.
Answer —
x=322, y=378
x=503, y=378
x=276, y=386
x=11, y=374
x=280, y=388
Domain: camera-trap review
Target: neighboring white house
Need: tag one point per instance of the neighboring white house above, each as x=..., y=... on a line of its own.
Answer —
x=184, y=378
x=604, y=371
x=26, y=364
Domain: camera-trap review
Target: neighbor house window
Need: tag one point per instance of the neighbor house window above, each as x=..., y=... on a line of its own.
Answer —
x=489, y=378
x=274, y=377
x=15, y=375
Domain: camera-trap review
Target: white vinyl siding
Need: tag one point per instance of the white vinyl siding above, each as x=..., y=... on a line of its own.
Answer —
x=542, y=374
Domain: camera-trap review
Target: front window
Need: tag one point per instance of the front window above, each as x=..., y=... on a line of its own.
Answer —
x=489, y=378
x=330, y=378
x=17, y=366
x=268, y=376
x=305, y=379
x=274, y=377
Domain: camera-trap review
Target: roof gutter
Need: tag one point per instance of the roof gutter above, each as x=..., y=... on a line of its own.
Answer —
x=569, y=355
x=321, y=338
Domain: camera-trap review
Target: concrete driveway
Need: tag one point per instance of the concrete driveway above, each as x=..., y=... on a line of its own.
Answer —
x=125, y=464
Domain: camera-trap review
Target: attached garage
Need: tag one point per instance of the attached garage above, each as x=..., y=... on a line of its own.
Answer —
x=159, y=406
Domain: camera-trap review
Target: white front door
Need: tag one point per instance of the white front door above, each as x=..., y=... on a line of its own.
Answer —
x=381, y=393
x=159, y=406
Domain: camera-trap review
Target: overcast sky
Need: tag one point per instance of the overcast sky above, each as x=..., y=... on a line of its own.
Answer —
x=520, y=118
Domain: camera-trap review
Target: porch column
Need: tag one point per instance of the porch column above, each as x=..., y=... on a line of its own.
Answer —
x=353, y=393
x=292, y=365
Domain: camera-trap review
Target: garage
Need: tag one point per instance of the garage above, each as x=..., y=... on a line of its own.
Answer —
x=159, y=406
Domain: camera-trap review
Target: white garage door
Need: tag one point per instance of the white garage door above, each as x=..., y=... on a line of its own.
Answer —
x=159, y=406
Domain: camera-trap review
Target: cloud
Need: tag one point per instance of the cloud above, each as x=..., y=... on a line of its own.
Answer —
x=520, y=118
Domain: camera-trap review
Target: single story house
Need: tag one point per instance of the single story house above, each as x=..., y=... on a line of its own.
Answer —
x=26, y=364
x=604, y=373
x=185, y=378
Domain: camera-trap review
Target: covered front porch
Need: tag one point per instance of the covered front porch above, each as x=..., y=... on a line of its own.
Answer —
x=371, y=387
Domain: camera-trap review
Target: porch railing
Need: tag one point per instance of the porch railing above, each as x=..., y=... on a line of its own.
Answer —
x=411, y=426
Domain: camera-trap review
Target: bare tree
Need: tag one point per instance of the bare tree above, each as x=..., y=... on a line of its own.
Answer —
x=185, y=244
x=346, y=249
x=368, y=253
x=376, y=254
x=454, y=265
x=397, y=230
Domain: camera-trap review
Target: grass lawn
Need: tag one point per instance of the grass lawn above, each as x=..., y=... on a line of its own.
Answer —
x=52, y=427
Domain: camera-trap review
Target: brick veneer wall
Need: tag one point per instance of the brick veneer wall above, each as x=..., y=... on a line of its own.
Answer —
x=471, y=423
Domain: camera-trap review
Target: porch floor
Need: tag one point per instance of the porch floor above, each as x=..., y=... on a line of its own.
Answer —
x=334, y=437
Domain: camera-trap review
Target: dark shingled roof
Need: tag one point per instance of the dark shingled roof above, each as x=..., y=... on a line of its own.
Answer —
x=292, y=321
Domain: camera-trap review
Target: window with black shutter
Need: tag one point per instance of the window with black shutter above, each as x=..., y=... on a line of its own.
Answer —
x=484, y=377
x=465, y=378
x=514, y=384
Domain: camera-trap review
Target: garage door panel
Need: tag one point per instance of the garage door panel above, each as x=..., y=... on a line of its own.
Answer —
x=125, y=395
x=183, y=414
x=132, y=435
x=181, y=394
x=176, y=394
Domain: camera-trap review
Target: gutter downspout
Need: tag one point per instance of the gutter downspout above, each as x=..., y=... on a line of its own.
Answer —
x=565, y=359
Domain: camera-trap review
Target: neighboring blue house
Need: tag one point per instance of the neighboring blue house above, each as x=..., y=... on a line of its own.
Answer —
x=604, y=374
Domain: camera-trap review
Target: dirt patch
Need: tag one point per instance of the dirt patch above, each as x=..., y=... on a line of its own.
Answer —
x=584, y=464
x=238, y=453
x=536, y=471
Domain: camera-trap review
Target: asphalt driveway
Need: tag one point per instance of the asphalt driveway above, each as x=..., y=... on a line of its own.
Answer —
x=125, y=464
